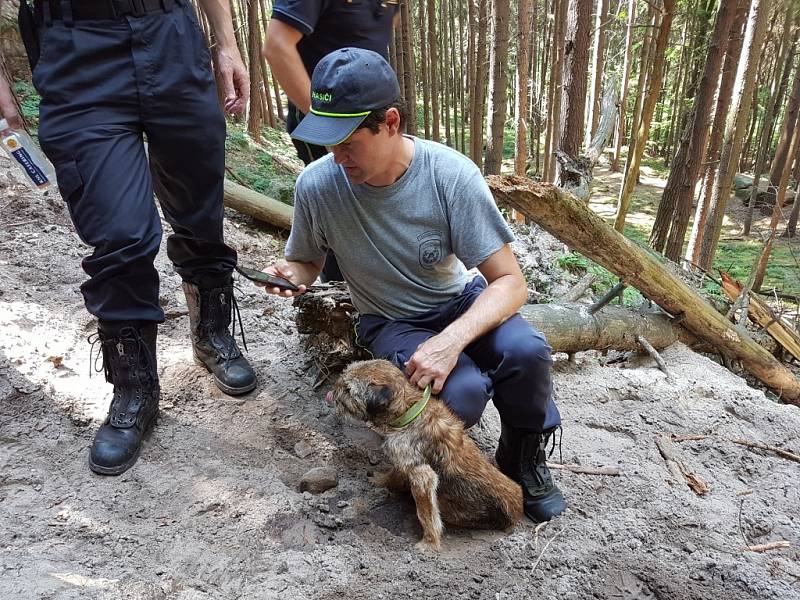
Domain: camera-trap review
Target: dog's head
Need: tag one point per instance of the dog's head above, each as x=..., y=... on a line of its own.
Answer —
x=370, y=390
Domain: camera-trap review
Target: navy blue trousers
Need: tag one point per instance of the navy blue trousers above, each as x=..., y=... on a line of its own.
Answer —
x=510, y=365
x=105, y=85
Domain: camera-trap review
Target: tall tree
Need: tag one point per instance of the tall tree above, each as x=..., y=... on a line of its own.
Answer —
x=498, y=86
x=648, y=107
x=573, y=103
x=433, y=68
x=783, y=66
x=734, y=129
x=524, y=21
x=557, y=88
x=626, y=75
x=723, y=103
x=675, y=208
x=599, y=50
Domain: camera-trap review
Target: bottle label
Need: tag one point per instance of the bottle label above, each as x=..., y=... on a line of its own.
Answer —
x=22, y=156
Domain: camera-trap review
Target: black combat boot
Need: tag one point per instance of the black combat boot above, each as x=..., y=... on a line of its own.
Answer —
x=129, y=362
x=210, y=313
x=522, y=457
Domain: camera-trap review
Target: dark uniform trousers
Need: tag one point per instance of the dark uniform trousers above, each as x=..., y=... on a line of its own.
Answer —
x=105, y=84
x=510, y=365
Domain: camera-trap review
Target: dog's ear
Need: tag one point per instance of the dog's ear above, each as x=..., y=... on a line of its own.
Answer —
x=378, y=399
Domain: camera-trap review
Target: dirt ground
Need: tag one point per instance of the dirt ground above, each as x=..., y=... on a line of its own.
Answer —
x=212, y=509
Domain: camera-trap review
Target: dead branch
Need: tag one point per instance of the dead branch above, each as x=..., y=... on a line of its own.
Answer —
x=612, y=471
x=676, y=467
x=770, y=546
x=655, y=356
x=774, y=449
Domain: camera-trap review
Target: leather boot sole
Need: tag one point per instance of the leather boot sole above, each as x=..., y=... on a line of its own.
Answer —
x=120, y=469
x=231, y=391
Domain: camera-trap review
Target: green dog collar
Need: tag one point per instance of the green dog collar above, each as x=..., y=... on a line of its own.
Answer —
x=412, y=413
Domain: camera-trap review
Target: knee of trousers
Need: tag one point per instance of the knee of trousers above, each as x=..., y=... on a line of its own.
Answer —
x=529, y=355
x=466, y=395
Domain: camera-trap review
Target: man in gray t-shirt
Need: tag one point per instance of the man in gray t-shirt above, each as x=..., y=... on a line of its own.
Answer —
x=406, y=219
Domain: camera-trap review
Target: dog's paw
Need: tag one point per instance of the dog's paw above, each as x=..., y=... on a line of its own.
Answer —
x=428, y=547
x=392, y=480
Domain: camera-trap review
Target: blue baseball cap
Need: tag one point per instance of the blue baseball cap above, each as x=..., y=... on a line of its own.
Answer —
x=346, y=86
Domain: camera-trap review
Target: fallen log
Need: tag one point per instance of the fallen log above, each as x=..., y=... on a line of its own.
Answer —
x=571, y=221
x=327, y=313
x=257, y=205
x=760, y=313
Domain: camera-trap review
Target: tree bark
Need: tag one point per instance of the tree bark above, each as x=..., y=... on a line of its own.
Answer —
x=499, y=87
x=525, y=14
x=783, y=67
x=257, y=205
x=723, y=102
x=734, y=130
x=599, y=48
x=575, y=224
x=573, y=104
x=409, y=77
x=626, y=76
x=656, y=77
x=558, y=89
x=433, y=66
x=763, y=259
x=674, y=211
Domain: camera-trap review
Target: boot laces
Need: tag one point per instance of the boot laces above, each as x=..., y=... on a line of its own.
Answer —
x=217, y=312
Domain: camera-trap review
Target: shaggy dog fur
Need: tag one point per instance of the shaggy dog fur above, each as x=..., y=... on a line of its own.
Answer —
x=449, y=477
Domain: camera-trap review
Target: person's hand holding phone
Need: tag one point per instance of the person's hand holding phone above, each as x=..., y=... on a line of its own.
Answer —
x=283, y=270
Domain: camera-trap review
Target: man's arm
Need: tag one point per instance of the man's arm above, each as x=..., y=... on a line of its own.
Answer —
x=8, y=108
x=280, y=50
x=235, y=78
x=506, y=293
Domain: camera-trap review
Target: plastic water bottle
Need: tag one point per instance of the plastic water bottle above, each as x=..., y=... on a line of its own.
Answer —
x=38, y=171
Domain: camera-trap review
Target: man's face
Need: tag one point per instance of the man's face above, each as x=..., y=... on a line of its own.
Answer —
x=362, y=155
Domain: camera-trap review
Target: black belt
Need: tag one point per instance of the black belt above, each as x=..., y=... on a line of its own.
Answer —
x=100, y=10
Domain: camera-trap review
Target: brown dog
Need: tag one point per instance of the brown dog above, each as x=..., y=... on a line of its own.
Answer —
x=449, y=477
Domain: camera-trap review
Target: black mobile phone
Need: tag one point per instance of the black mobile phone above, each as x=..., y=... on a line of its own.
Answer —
x=267, y=279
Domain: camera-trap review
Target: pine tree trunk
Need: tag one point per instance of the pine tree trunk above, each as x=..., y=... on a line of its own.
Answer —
x=734, y=130
x=499, y=86
x=783, y=66
x=409, y=77
x=724, y=93
x=556, y=79
x=599, y=46
x=479, y=90
x=433, y=62
x=648, y=108
x=777, y=213
x=573, y=104
x=626, y=77
x=524, y=20
x=675, y=208
x=424, y=78
x=254, y=116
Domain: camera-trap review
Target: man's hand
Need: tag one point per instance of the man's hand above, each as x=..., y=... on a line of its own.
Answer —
x=235, y=81
x=433, y=361
x=282, y=269
x=234, y=76
x=8, y=108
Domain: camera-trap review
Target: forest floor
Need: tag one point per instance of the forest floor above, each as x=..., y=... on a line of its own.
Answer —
x=212, y=509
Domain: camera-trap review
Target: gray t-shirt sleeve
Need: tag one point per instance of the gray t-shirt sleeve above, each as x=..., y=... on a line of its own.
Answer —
x=306, y=242
x=477, y=229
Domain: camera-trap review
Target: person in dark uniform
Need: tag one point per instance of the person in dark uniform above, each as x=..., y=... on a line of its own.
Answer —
x=110, y=73
x=300, y=33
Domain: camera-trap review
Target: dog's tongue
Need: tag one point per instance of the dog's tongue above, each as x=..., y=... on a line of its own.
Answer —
x=329, y=398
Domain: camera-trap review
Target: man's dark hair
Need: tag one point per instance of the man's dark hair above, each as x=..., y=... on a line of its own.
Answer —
x=378, y=116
